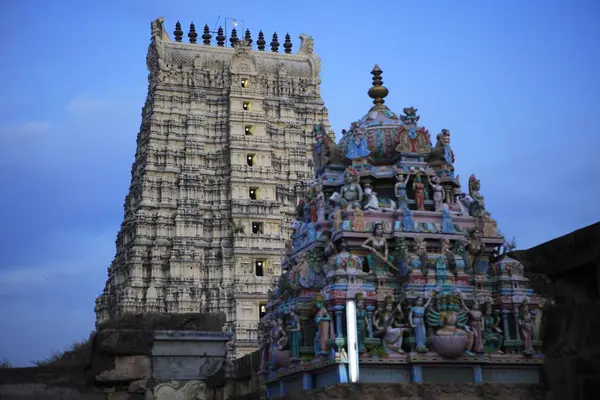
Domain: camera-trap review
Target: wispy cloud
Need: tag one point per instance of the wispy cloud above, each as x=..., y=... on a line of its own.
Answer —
x=89, y=256
x=84, y=103
x=25, y=128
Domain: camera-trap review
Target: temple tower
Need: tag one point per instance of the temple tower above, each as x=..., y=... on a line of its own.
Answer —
x=226, y=135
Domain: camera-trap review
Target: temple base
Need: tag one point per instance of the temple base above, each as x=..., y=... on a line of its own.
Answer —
x=428, y=369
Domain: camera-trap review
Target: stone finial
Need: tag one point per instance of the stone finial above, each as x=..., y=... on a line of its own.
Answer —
x=233, y=39
x=206, y=36
x=274, y=44
x=220, y=37
x=378, y=92
x=248, y=37
x=178, y=33
x=287, y=44
x=261, y=42
x=192, y=35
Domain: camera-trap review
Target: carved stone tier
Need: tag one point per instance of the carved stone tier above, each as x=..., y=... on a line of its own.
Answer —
x=224, y=139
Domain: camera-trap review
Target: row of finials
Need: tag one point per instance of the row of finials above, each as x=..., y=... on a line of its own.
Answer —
x=233, y=38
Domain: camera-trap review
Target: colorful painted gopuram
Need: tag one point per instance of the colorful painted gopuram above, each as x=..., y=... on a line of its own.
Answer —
x=386, y=223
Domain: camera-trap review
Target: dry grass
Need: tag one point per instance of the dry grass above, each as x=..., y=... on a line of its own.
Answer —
x=78, y=353
x=4, y=363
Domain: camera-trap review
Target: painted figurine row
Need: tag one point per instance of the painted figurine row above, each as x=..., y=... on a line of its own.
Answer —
x=425, y=186
x=443, y=320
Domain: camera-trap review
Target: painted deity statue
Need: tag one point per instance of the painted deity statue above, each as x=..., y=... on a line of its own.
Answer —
x=526, y=329
x=357, y=147
x=401, y=256
x=323, y=321
x=474, y=188
x=278, y=338
x=400, y=189
x=319, y=202
x=294, y=332
x=351, y=193
x=372, y=201
x=476, y=323
x=393, y=329
x=447, y=224
x=264, y=341
x=416, y=319
x=420, y=194
x=492, y=334
x=378, y=260
x=378, y=321
x=362, y=321
x=438, y=192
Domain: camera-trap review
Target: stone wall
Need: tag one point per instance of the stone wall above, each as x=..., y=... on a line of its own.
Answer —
x=438, y=391
x=566, y=271
x=128, y=358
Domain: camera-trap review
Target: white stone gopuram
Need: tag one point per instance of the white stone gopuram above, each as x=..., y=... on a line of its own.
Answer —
x=224, y=144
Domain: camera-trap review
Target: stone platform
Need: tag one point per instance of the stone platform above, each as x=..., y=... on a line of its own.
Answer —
x=408, y=369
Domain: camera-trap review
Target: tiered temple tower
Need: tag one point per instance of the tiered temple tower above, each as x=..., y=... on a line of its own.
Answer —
x=226, y=136
x=386, y=224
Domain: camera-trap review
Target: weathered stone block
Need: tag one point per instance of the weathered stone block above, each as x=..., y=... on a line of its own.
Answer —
x=124, y=342
x=127, y=368
x=140, y=386
x=125, y=396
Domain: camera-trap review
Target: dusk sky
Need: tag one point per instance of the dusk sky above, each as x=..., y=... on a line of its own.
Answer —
x=516, y=82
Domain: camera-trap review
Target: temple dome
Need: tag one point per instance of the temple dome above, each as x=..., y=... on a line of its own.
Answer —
x=382, y=129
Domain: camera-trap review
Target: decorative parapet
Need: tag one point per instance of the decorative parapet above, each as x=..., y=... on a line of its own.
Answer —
x=305, y=62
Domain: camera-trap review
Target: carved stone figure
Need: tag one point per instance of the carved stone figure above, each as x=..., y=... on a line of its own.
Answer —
x=294, y=332
x=175, y=390
x=357, y=147
x=416, y=318
x=474, y=188
x=392, y=327
x=320, y=202
x=438, y=192
x=351, y=193
x=475, y=247
x=362, y=322
x=452, y=337
x=379, y=260
x=408, y=223
x=526, y=329
x=372, y=202
x=419, y=192
x=447, y=224
x=401, y=256
x=492, y=334
x=400, y=189
x=476, y=323
x=323, y=321
x=264, y=340
x=442, y=151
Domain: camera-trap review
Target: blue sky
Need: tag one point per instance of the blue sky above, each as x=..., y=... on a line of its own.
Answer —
x=516, y=82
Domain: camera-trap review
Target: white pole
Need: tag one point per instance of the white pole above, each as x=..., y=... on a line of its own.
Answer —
x=352, y=338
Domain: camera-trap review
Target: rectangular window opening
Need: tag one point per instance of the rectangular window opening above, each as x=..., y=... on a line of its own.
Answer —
x=262, y=311
x=257, y=228
x=247, y=105
x=250, y=160
x=244, y=82
x=259, y=267
x=253, y=193
x=248, y=130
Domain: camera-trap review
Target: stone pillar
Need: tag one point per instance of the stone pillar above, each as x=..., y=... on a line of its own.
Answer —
x=516, y=317
x=477, y=374
x=370, y=310
x=307, y=381
x=505, y=325
x=339, y=314
x=417, y=374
